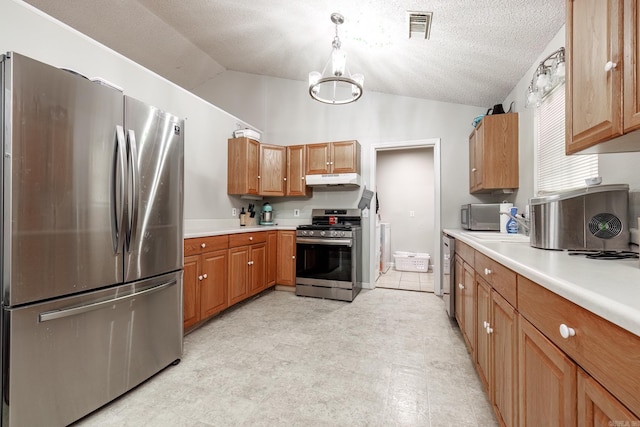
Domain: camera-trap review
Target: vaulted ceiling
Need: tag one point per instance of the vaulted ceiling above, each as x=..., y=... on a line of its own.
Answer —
x=476, y=53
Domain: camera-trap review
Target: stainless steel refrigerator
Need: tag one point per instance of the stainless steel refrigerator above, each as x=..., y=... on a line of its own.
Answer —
x=92, y=250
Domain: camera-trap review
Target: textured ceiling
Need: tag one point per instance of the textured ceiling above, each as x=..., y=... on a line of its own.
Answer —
x=477, y=52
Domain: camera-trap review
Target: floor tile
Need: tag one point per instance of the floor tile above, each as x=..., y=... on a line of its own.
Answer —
x=391, y=357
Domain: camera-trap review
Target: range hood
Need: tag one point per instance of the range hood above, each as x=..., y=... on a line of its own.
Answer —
x=338, y=180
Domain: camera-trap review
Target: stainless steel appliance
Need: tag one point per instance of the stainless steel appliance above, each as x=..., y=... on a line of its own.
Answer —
x=448, y=274
x=480, y=216
x=329, y=255
x=591, y=218
x=92, y=248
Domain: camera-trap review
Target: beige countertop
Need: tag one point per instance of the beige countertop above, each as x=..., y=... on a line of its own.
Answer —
x=608, y=288
x=202, y=228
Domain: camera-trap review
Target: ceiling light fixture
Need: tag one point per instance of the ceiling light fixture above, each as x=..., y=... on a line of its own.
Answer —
x=335, y=85
x=548, y=76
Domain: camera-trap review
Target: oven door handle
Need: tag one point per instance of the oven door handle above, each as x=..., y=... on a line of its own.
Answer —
x=327, y=242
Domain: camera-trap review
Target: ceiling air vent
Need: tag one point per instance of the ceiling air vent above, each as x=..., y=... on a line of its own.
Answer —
x=420, y=25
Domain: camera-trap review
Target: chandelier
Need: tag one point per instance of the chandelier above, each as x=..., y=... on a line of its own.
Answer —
x=548, y=76
x=335, y=85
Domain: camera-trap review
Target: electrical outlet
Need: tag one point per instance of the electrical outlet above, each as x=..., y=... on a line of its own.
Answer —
x=296, y=212
x=412, y=213
x=234, y=212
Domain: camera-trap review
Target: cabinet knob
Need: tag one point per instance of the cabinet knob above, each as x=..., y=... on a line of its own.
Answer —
x=487, y=271
x=473, y=169
x=610, y=66
x=250, y=237
x=293, y=257
x=258, y=176
x=330, y=163
x=460, y=285
x=204, y=245
x=285, y=178
x=327, y=163
x=204, y=276
x=489, y=330
x=566, y=331
x=302, y=178
x=485, y=324
x=199, y=277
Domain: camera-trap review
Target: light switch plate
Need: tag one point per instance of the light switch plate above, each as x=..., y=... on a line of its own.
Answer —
x=296, y=212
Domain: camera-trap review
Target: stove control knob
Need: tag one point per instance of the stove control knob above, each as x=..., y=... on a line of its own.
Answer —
x=304, y=232
x=342, y=234
x=322, y=233
x=311, y=233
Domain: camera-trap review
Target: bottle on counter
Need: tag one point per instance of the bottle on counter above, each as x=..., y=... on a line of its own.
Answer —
x=512, y=224
x=243, y=217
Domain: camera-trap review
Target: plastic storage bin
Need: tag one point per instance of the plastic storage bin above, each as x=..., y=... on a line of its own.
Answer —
x=411, y=261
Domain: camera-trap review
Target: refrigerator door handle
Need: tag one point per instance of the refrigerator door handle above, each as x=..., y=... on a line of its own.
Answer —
x=73, y=311
x=117, y=213
x=132, y=147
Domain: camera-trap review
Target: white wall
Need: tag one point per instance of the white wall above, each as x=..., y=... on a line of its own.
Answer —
x=615, y=168
x=404, y=183
x=32, y=33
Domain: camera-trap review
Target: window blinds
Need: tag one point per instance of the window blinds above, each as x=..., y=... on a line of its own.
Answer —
x=555, y=170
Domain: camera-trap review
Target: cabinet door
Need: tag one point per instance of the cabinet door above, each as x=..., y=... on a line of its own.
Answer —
x=547, y=381
x=484, y=329
x=295, y=171
x=631, y=90
x=272, y=170
x=317, y=159
x=238, y=274
x=469, y=305
x=242, y=166
x=257, y=268
x=473, y=170
x=286, y=258
x=214, y=284
x=478, y=174
x=190, y=291
x=272, y=258
x=598, y=408
x=505, y=359
x=594, y=104
x=344, y=157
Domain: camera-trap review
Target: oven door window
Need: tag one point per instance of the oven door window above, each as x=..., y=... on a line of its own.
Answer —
x=325, y=262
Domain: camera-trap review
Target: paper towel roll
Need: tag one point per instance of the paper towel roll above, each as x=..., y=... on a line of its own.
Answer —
x=504, y=207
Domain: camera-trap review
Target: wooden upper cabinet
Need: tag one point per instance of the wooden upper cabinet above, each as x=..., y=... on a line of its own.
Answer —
x=295, y=180
x=493, y=154
x=243, y=166
x=602, y=80
x=333, y=157
x=271, y=175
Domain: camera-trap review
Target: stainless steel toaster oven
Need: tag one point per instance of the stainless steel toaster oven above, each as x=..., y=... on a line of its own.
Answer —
x=591, y=218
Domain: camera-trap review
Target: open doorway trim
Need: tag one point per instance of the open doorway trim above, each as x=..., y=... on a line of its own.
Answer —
x=399, y=145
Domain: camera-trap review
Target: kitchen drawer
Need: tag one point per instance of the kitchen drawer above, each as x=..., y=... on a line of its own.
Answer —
x=200, y=245
x=465, y=251
x=500, y=277
x=243, y=239
x=607, y=352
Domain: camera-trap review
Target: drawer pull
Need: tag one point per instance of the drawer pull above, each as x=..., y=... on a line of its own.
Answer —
x=566, y=331
x=204, y=245
x=250, y=238
x=460, y=285
x=487, y=271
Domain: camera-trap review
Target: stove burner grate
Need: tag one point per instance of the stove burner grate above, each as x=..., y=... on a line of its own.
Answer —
x=606, y=255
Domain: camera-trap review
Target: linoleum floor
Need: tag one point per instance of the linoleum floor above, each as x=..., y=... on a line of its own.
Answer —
x=390, y=358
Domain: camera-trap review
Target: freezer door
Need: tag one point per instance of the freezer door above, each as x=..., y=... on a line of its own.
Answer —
x=70, y=356
x=155, y=143
x=60, y=182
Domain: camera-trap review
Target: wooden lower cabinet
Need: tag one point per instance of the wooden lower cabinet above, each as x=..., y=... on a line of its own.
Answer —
x=257, y=268
x=469, y=308
x=247, y=271
x=497, y=351
x=547, y=381
x=459, y=289
x=286, y=262
x=598, y=408
x=205, y=278
x=272, y=257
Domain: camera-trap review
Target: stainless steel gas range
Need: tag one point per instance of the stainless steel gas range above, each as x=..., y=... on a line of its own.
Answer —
x=329, y=255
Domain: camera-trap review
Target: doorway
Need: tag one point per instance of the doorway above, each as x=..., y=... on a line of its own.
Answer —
x=406, y=178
